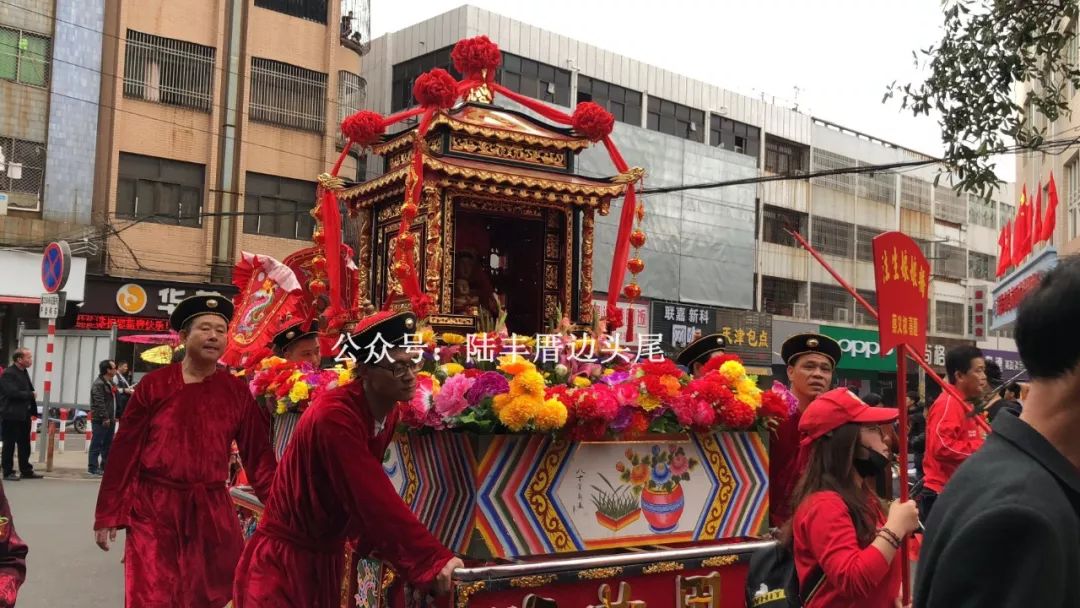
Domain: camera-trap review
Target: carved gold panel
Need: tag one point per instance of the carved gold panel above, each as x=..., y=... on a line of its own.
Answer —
x=507, y=151
x=698, y=591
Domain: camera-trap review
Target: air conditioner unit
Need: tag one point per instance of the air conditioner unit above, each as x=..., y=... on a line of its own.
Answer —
x=799, y=310
x=840, y=314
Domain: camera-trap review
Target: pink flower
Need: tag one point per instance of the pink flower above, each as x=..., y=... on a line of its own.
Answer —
x=679, y=464
x=418, y=411
x=626, y=394
x=451, y=399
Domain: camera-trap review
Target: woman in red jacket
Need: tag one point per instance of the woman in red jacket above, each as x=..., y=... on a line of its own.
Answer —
x=844, y=544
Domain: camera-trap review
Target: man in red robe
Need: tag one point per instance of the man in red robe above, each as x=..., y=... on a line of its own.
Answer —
x=810, y=359
x=165, y=483
x=330, y=487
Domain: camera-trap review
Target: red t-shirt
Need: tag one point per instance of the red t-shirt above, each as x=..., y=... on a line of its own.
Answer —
x=951, y=436
x=855, y=576
x=783, y=452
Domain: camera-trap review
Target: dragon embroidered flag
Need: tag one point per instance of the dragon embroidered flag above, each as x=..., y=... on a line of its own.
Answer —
x=269, y=299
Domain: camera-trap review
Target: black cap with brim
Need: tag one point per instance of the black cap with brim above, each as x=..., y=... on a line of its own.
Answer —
x=294, y=333
x=195, y=306
x=373, y=331
x=699, y=350
x=802, y=344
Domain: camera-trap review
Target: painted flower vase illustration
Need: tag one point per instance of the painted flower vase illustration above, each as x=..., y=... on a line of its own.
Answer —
x=657, y=479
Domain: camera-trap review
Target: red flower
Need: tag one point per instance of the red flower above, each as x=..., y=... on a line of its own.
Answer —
x=592, y=121
x=471, y=372
x=639, y=423
x=364, y=127
x=717, y=361
x=773, y=405
x=435, y=89
x=662, y=367
x=473, y=55
x=736, y=414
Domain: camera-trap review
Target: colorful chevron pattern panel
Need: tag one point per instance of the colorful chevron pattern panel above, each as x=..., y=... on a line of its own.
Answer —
x=518, y=495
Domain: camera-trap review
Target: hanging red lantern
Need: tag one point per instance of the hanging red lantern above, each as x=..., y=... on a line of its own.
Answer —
x=318, y=264
x=317, y=287
x=637, y=237
x=635, y=265
x=632, y=291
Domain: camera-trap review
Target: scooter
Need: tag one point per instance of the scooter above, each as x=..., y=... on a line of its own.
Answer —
x=77, y=419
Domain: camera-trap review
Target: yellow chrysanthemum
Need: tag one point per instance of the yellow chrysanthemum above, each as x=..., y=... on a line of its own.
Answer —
x=753, y=402
x=269, y=362
x=609, y=371
x=452, y=369
x=299, y=392
x=517, y=414
x=649, y=403
x=453, y=339
x=528, y=383
x=733, y=370
x=425, y=336
x=747, y=386
x=344, y=377
x=295, y=376
x=281, y=409
x=498, y=402
x=550, y=416
x=582, y=382
x=515, y=365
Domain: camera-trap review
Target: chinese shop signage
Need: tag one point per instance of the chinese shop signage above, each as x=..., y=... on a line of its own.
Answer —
x=861, y=348
x=748, y=333
x=147, y=299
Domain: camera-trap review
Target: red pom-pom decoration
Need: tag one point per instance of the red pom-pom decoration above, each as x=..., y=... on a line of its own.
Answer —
x=364, y=127
x=614, y=318
x=317, y=287
x=592, y=121
x=632, y=291
x=635, y=265
x=436, y=89
x=318, y=264
x=637, y=238
x=473, y=55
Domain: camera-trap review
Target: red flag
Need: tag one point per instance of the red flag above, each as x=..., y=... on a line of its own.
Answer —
x=1051, y=211
x=1037, y=231
x=1022, y=230
x=1004, y=250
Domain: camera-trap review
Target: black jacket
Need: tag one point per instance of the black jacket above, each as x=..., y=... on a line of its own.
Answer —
x=916, y=430
x=102, y=400
x=18, y=394
x=1015, y=501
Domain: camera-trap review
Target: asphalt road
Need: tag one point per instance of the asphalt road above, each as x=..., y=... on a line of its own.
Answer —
x=64, y=568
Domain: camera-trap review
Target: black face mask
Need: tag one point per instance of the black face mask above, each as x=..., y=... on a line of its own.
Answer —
x=871, y=466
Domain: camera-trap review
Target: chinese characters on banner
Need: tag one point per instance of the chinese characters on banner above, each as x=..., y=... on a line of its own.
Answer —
x=748, y=333
x=639, y=317
x=902, y=276
x=123, y=323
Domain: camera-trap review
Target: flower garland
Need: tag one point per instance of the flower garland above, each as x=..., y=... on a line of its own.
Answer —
x=291, y=386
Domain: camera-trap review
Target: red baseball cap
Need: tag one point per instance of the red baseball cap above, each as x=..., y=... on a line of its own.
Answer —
x=837, y=408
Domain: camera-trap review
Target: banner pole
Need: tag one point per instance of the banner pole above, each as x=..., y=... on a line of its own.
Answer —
x=901, y=407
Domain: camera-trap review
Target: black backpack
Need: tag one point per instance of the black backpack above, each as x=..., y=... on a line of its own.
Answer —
x=772, y=581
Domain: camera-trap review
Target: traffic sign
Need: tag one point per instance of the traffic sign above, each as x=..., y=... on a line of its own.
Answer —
x=55, y=266
x=52, y=305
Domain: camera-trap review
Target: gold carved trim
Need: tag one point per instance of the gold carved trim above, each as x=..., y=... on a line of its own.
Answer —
x=331, y=182
x=508, y=151
x=363, y=271
x=441, y=118
x=433, y=249
x=450, y=244
x=598, y=573
x=535, y=580
x=465, y=591
x=587, y=229
x=715, y=457
x=720, y=560
x=661, y=567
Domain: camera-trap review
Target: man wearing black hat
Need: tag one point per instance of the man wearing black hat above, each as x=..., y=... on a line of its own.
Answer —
x=299, y=343
x=697, y=353
x=810, y=360
x=331, y=486
x=165, y=483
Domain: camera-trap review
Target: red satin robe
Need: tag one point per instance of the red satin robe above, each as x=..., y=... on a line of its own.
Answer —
x=165, y=483
x=12, y=557
x=330, y=487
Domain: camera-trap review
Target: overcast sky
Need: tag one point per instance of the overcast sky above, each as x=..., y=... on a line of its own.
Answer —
x=840, y=54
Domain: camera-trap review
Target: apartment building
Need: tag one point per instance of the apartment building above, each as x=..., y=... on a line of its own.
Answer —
x=723, y=251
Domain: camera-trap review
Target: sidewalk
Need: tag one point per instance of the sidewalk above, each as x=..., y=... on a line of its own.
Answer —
x=69, y=465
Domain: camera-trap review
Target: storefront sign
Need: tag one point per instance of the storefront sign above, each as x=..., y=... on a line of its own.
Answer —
x=122, y=323
x=1010, y=292
x=901, y=274
x=124, y=297
x=1008, y=361
x=639, y=316
x=861, y=348
x=748, y=333
x=936, y=348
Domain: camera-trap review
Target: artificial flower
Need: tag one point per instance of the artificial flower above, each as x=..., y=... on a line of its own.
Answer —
x=488, y=384
x=299, y=392
x=453, y=339
x=515, y=364
x=452, y=369
x=551, y=415
x=581, y=382
x=451, y=400
x=528, y=383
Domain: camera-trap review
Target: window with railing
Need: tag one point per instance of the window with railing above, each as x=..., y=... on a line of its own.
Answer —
x=1006, y=213
x=160, y=190
x=785, y=157
x=168, y=71
x=915, y=193
x=864, y=243
x=406, y=73
x=927, y=249
x=833, y=237
x=1072, y=189
x=830, y=303
x=823, y=160
x=355, y=27
x=862, y=317
x=951, y=261
x=287, y=95
x=981, y=211
x=734, y=135
x=949, y=317
x=22, y=173
x=776, y=220
x=779, y=296
x=352, y=91
x=535, y=79
x=676, y=119
x=880, y=187
x=981, y=266
x=624, y=104
x=278, y=206
x=24, y=57
x=312, y=10
x=950, y=206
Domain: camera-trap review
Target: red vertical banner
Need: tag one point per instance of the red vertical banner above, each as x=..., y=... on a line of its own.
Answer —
x=902, y=277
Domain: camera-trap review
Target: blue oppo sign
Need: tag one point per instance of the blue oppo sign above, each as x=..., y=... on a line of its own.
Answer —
x=55, y=266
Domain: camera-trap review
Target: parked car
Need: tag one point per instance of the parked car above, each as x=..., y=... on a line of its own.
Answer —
x=77, y=418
